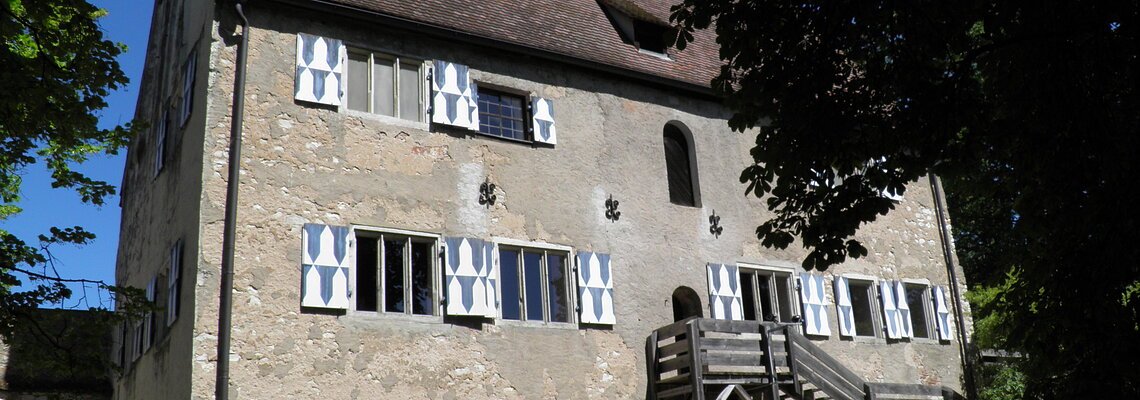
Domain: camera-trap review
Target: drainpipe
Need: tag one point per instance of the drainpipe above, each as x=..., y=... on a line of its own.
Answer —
x=225, y=302
x=948, y=254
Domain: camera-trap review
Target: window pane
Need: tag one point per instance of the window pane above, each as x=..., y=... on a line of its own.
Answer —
x=501, y=114
x=557, y=284
x=382, y=95
x=767, y=309
x=748, y=296
x=366, y=263
x=394, y=275
x=784, y=293
x=357, y=82
x=677, y=167
x=861, y=308
x=410, y=92
x=421, y=278
x=509, y=272
x=532, y=282
x=917, y=303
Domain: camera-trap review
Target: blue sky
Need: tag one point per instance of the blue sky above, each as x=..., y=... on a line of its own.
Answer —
x=128, y=22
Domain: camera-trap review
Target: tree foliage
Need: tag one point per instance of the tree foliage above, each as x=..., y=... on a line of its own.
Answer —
x=1029, y=112
x=56, y=71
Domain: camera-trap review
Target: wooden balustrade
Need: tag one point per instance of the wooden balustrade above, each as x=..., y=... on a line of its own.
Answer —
x=686, y=358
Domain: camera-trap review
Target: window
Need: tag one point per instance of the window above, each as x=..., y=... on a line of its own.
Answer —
x=678, y=166
x=767, y=295
x=862, y=305
x=150, y=318
x=501, y=114
x=160, y=141
x=174, y=283
x=917, y=299
x=189, y=72
x=535, y=284
x=395, y=273
x=386, y=85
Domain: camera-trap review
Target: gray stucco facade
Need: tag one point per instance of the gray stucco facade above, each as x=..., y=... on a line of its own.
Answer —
x=305, y=163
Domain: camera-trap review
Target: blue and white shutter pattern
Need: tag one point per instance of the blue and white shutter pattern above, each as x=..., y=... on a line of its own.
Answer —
x=320, y=69
x=941, y=313
x=542, y=120
x=843, y=306
x=325, y=265
x=595, y=289
x=467, y=279
x=453, y=96
x=724, y=292
x=904, y=310
x=815, y=310
x=890, y=313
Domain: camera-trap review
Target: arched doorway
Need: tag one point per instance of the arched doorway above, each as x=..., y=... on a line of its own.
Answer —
x=686, y=303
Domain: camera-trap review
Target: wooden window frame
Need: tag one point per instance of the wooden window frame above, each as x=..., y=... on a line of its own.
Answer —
x=436, y=270
x=569, y=269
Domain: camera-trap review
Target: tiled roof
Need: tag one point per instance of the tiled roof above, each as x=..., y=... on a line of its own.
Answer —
x=575, y=28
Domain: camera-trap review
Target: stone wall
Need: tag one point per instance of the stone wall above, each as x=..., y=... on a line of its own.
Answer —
x=308, y=164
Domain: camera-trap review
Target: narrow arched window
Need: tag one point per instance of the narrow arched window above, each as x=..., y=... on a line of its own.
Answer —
x=680, y=167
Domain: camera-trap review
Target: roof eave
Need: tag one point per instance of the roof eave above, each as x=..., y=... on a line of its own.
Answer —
x=371, y=16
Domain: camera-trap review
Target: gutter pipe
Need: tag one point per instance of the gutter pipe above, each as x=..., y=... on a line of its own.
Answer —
x=951, y=270
x=225, y=302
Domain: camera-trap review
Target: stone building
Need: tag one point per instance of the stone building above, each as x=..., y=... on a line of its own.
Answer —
x=484, y=200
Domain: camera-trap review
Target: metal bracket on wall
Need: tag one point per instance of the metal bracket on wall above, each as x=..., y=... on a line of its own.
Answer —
x=611, y=209
x=487, y=193
x=714, y=225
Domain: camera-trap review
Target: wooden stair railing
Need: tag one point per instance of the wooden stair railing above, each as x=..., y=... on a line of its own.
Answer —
x=698, y=358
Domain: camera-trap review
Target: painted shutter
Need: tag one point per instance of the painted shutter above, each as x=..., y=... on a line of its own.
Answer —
x=453, y=101
x=542, y=120
x=189, y=71
x=174, y=283
x=724, y=292
x=941, y=312
x=843, y=306
x=890, y=312
x=466, y=277
x=160, y=143
x=815, y=311
x=492, y=280
x=904, y=311
x=320, y=70
x=148, y=319
x=325, y=265
x=595, y=289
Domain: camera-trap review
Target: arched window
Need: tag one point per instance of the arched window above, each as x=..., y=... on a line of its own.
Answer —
x=681, y=166
x=686, y=303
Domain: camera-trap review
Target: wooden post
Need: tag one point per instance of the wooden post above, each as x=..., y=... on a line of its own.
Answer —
x=789, y=342
x=651, y=366
x=773, y=377
x=696, y=372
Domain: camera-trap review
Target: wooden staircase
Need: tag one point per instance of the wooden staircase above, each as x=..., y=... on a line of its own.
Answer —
x=700, y=358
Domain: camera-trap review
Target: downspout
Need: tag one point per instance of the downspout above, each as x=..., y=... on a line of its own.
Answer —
x=225, y=302
x=951, y=270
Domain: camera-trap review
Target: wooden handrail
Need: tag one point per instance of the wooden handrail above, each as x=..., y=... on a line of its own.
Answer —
x=700, y=351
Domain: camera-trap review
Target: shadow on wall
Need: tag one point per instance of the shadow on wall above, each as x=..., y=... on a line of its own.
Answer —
x=55, y=352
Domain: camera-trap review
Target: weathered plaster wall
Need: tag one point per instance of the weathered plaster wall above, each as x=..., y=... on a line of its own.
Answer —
x=159, y=210
x=302, y=163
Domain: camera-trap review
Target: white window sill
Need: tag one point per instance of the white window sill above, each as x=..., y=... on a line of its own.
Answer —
x=384, y=119
x=511, y=324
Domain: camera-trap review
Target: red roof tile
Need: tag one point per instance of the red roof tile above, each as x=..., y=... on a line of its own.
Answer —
x=575, y=28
